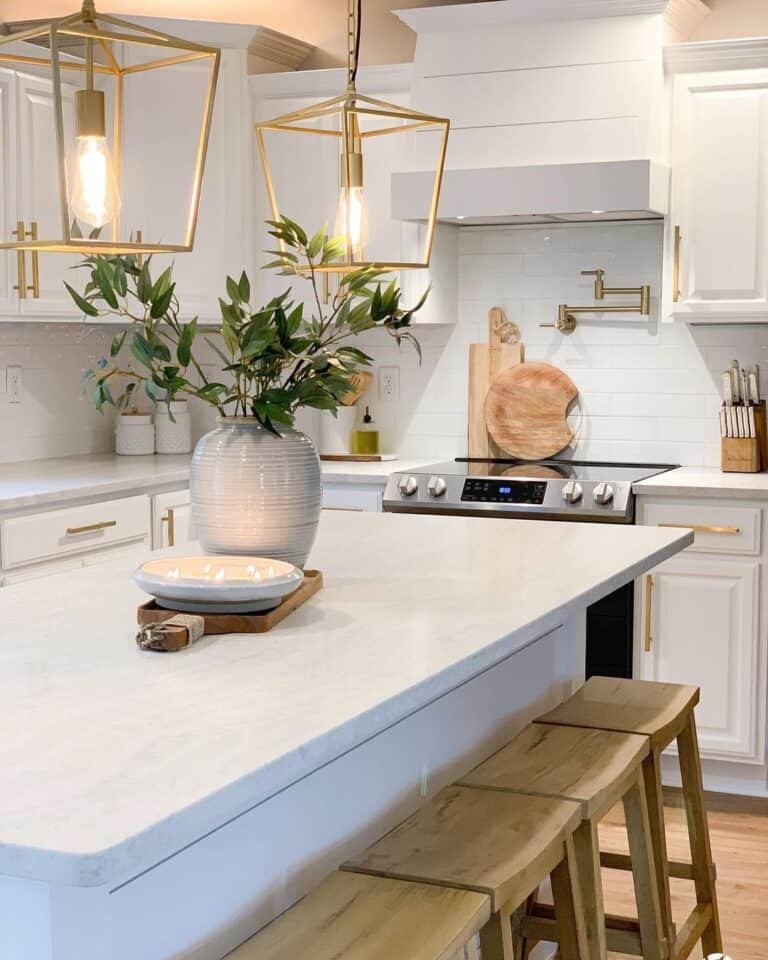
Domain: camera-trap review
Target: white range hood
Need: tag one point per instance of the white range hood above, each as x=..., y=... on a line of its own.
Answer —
x=558, y=108
x=542, y=193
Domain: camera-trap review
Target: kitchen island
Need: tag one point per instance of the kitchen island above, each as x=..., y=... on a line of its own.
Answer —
x=160, y=806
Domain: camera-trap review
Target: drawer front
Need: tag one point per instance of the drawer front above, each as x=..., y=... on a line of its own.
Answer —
x=58, y=533
x=718, y=529
x=352, y=498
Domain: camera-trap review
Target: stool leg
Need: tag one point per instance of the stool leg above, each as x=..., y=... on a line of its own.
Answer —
x=643, y=873
x=569, y=913
x=496, y=937
x=655, y=803
x=587, y=849
x=698, y=831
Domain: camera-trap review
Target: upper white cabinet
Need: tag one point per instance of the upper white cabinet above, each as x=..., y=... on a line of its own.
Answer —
x=716, y=269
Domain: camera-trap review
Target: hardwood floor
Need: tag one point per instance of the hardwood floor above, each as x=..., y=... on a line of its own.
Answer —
x=739, y=833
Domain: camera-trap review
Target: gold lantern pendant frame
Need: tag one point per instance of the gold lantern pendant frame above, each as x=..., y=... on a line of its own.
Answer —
x=105, y=31
x=350, y=108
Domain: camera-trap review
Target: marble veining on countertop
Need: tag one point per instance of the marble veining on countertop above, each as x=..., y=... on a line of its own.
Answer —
x=704, y=482
x=114, y=759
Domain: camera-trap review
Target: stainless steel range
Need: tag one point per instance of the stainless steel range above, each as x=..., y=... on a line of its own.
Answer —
x=543, y=490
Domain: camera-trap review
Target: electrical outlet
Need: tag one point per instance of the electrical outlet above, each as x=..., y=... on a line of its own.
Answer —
x=13, y=384
x=389, y=384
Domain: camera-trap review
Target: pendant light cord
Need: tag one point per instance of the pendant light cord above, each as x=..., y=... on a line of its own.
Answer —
x=354, y=21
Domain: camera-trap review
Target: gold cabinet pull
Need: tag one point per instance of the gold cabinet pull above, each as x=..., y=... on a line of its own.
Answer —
x=34, y=287
x=648, y=608
x=21, y=263
x=90, y=527
x=170, y=519
x=676, y=267
x=703, y=528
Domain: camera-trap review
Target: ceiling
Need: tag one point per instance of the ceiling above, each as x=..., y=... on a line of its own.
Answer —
x=321, y=23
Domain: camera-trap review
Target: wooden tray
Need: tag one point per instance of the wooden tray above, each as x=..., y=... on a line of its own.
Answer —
x=219, y=623
x=358, y=457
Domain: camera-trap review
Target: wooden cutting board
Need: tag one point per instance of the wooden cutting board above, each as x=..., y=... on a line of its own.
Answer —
x=486, y=361
x=526, y=410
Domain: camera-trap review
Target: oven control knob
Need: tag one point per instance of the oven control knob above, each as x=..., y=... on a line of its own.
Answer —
x=572, y=492
x=602, y=494
x=436, y=486
x=408, y=486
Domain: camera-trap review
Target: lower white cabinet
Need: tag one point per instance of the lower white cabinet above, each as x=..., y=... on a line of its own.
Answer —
x=359, y=498
x=171, y=519
x=703, y=629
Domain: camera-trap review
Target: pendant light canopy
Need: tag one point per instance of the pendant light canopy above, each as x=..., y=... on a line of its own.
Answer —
x=128, y=167
x=357, y=143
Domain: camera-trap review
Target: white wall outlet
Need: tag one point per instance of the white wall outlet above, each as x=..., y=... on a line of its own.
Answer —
x=389, y=384
x=13, y=384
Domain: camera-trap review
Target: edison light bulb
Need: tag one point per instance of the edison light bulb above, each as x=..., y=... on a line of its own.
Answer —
x=352, y=219
x=95, y=199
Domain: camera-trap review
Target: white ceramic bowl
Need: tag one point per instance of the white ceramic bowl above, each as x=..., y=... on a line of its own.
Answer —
x=218, y=584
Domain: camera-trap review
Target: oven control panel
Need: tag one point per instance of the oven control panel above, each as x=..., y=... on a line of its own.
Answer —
x=487, y=490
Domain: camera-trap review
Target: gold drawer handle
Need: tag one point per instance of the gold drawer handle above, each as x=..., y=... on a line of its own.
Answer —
x=676, y=268
x=90, y=527
x=648, y=607
x=702, y=528
x=170, y=519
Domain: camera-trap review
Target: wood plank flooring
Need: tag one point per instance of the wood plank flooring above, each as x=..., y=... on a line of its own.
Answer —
x=739, y=832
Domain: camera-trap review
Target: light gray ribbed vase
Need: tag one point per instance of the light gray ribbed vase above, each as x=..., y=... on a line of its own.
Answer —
x=254, y=493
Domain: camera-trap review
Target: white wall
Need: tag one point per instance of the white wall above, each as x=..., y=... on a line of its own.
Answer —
x=54, y=419
x=734, y=18
x=648, y=389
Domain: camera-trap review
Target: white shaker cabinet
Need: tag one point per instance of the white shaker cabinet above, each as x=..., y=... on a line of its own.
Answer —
x=698, y=621
x=716, y=269
x=171, y=519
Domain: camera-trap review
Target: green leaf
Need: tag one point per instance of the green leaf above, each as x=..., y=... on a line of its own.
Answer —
x=74, y=230
x=244, y=287
x=144, y=284
x=87, y=308
x=184, y=346
x=233, y=290
x=160, y=306
x=141, y=349
x=317, y=242
x=161, y=285
x=120, y=279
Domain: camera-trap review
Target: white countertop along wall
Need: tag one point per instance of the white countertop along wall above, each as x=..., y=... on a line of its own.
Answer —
x=119, y=758
x=705, y=482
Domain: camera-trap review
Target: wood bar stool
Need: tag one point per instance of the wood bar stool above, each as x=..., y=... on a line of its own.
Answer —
x=499, y=844
x=663, y=712
x=597, y=769
x=355, y=917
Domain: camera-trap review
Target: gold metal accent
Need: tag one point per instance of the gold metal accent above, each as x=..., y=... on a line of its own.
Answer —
x=170, y=519
x=91, y=527
x=348, y=111
x=90, y=114
x=703, y=528
x=21, y=266
x=566, y=316
x=648, y=610
x=35, y=286
x=109, y=33
x=676, y=267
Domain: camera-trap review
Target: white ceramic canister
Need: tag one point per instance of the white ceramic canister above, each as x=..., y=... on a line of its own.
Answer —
x=135, y=435
x=170, y=436
x=336, y=432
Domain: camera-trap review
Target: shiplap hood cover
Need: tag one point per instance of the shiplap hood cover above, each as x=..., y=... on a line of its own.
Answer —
x=557, y=108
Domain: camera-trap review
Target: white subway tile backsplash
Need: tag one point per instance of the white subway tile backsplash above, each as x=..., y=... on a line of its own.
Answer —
x=649, y=390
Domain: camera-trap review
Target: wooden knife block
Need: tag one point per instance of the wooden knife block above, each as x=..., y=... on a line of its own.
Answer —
x=747, y=454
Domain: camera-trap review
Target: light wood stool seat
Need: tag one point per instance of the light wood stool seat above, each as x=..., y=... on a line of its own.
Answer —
x=499, y=844
x=663, y=712
x=355, y=917
x=597, y=769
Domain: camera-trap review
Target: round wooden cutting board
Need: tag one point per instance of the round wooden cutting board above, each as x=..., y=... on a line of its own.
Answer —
x=526, y=410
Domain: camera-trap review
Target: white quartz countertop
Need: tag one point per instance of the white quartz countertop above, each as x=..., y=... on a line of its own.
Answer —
x=114, y=759
x=705, y=482
x=40, y=483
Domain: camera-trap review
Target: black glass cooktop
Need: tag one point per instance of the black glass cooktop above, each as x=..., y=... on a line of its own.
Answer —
x=549, y=469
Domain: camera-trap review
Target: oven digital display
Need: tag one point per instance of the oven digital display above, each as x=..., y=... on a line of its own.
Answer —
x=484, y=490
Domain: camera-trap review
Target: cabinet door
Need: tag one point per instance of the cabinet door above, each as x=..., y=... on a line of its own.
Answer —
x=703, y=630
x=172, y=520
x=9, y=301
x=720, y=196
x=38, y=193
x=352, y=497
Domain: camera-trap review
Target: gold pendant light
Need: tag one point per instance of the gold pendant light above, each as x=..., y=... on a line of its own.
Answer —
x=359, y=125
x=93, y=155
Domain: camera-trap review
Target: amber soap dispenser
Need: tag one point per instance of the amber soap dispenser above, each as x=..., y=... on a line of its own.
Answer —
x=366, y=437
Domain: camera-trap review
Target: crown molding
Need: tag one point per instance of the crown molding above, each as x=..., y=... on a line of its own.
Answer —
x=740, y=54
x=391, y=78
x=467, y=15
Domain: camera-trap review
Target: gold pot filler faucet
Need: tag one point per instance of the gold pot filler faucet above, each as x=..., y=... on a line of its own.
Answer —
x=566, y=316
